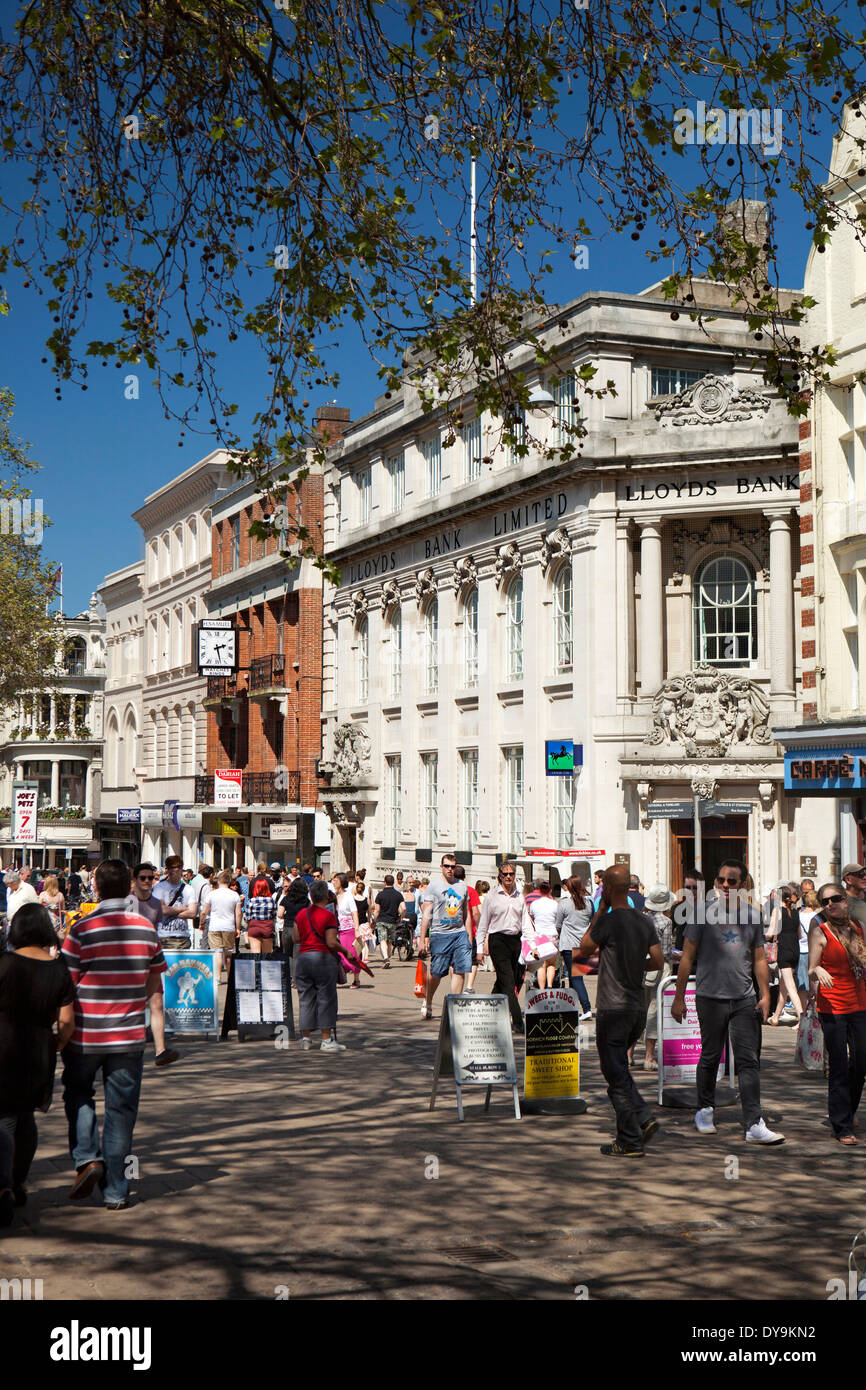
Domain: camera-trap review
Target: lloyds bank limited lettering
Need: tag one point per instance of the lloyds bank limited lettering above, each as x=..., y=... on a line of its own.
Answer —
x=546, y=509
x=661, y=491
x=369, y=569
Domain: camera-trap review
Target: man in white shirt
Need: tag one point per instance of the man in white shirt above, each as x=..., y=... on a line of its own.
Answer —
x=179, y=907
x=504, y=924
x=19, y=891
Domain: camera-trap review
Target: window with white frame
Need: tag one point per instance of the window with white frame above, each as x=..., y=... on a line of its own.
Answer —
x=341, y=503
x=563, y=646
x=670, y=381
x=469, y=771
x=363, y=661
x=396, y=469
x=470, y=640
x=513, y=799
x=724, y=605
x=430, y=798
x=471, y=437
x=432, y=450
x=395, y=655
x=563, y=812
x=364, y=484
x=514, y=630
x=517, y=428
x=235, y=525
x=431, y=647
x=393, y=799
x=564, y=392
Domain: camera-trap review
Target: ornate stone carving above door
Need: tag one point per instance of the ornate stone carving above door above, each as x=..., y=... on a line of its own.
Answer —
x=709, y=713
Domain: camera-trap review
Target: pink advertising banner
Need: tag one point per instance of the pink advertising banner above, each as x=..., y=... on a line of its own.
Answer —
x=681, y=1042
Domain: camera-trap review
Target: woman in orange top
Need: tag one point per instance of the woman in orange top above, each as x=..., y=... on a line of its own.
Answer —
x=837, y=962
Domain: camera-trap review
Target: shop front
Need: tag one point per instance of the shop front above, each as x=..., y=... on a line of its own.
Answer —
x=826, y=763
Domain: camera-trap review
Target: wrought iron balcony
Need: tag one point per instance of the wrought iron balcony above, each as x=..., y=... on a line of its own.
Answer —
x=257, y=789
x=220, y=689
x=268, y=673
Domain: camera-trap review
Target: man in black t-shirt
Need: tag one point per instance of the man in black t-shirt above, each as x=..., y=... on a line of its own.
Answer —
x=628, y=946
x=388, y=908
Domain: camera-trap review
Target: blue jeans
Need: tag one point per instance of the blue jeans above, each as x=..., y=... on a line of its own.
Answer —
x=575, y=980
x=121, y=1077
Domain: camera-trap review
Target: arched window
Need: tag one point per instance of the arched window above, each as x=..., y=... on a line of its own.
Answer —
x=470, y=640
x=431, y=647
x=76, y=656
x=113, y=759
x=363, y=661
x=395, y=655
x=514, y=625
x=724, y=605
x=563, y=647
x=126, y=772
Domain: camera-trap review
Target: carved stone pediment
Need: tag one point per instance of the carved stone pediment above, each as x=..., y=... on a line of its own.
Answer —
x=351, y=757
x=344, y=812
x=425, y=585
x=509, y=561
x=554, y=547
x=464, y=573
x=712, y=400
x=390, y=594
x=709, y=713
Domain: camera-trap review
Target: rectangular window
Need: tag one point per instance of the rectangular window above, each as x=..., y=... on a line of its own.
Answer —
x=432, y=449
x=669, y=381
x=517, y=427
x=564, y=392
x=850, y=448
x=513, y=800
x=469, y=763
x=341, y=504
x=236, y=542
x=364, y=480
x=394, y=799
x=430, y=798
x=563, y=812
x=396, y=482
x=471, y=435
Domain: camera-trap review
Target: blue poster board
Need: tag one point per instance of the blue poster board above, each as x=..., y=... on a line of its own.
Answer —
x=191, y=992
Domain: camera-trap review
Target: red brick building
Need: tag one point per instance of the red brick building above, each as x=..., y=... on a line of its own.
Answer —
x=266, y=721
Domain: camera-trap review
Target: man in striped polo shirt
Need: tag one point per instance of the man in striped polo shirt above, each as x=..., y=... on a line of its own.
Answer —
x=115, y=961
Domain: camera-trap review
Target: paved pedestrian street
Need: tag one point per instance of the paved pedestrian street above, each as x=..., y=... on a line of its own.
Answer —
x=269, y=1173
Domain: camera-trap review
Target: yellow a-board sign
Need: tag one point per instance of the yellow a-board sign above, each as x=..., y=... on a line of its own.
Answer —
x=552, y=1070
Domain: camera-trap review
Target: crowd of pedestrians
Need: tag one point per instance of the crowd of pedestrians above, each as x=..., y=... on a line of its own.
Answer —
x=83, y=958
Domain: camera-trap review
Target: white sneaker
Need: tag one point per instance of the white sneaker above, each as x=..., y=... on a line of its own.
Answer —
x=469, y=991
x=585, y=1016
x=306, y=1044
x=426, y=1012
x=760, y=1134
x=704, y=1121
x=331, y=1045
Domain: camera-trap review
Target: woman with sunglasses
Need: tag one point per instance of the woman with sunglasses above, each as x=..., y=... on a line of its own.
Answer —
x=837, y=964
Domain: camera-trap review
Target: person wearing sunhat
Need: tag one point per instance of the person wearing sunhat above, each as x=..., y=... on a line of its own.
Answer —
x=658, y=904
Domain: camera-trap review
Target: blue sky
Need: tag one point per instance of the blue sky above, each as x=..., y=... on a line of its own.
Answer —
x=101, y=454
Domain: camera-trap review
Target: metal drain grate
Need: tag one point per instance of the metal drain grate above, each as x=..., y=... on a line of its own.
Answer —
x=477, y=1254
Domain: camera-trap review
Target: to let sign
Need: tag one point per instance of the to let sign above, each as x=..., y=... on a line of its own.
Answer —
x=227, y=787
x=24, y=812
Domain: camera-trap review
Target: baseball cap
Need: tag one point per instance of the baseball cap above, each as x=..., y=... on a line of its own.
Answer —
x=275, y=865
x=853, y=869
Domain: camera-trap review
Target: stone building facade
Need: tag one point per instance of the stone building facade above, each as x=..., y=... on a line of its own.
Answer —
x=641, y=601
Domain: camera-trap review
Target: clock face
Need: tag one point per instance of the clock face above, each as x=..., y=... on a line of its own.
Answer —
x=216, y=646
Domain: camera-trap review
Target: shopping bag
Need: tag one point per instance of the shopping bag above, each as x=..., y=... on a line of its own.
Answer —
x=810, y=1041
x=421, y=979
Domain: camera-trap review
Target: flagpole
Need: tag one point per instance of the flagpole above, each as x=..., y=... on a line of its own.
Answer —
x=473, y=252
x=61, y=591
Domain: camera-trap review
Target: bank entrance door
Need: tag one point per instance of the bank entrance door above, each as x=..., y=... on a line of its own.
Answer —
x=720, y=839
x=348, y=844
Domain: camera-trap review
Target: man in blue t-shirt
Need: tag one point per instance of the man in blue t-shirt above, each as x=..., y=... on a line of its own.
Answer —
x=443, y=917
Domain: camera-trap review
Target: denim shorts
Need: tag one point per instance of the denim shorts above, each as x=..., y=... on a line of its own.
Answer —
x=450, y=951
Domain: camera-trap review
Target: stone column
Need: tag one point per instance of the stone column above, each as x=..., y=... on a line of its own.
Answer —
x=651, y=606
x=33, y=715
x=55, y=781
x=53, y=715
x=71, y=715
x=88, y=792
x=625, y=663
x=781, y=606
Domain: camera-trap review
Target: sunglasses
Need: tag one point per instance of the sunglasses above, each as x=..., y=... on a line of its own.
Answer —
x=145, y=878
x=731, y=882
x=836, y=898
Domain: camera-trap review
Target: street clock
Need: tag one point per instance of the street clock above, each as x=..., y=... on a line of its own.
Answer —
x=216, y=647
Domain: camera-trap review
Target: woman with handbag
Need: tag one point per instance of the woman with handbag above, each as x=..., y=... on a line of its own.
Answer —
x=317, y=937
x=785, y=926
x=542, y=911
x=837, y=963
x=261, y=912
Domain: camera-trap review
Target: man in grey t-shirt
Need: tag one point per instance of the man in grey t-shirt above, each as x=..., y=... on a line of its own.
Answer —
x=731, y=938
x=443, y=917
